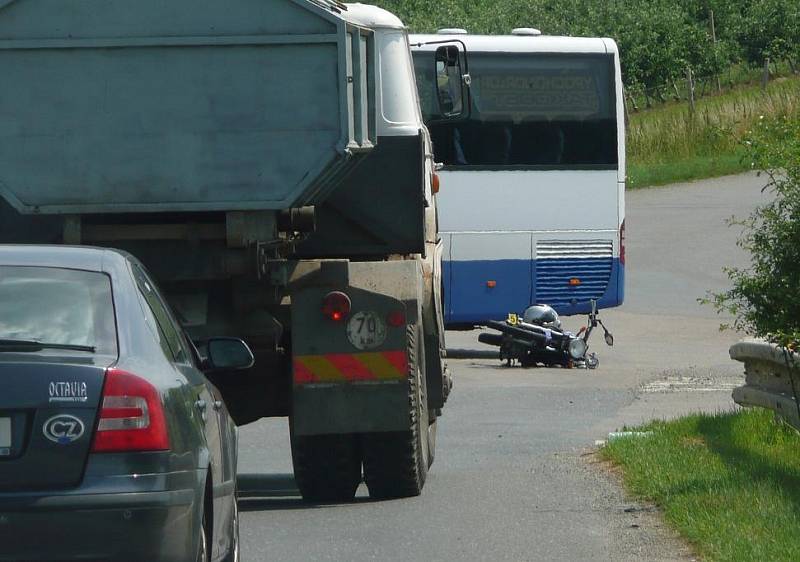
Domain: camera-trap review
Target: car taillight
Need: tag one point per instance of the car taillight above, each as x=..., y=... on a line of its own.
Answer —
x=131, y=416
x=336, y=306
x=622, y=243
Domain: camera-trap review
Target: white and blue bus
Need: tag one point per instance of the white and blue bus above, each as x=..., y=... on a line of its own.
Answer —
x=532, y=199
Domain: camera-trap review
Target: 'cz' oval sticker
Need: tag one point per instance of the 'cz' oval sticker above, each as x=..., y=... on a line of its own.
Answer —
x=63, y=429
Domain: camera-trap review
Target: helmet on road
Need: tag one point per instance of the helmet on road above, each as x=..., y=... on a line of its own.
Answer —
x=542, y=315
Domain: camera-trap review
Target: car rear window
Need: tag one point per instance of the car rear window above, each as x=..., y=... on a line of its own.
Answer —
x=58, y=306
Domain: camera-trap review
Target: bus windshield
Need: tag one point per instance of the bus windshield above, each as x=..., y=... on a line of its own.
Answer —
x=529, y=110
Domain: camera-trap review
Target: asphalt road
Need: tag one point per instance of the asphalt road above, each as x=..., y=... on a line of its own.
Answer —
x=514, y=477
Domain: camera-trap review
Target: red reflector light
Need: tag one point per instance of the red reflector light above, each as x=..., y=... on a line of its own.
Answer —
x=131, y=416
x=121, y=412
x=435, y=183
x=336, y=306
x=574, y=282
x=396, y=319
x=491, y=284
x=622, y=243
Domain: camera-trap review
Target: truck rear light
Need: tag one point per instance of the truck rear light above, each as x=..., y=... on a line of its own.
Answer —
x=336, y=306
x=396, y=318
x=622, y=243
x=435, y=183
x=131, y=416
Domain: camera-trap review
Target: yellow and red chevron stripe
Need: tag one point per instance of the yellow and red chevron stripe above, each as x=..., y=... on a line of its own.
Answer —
x=350, y=367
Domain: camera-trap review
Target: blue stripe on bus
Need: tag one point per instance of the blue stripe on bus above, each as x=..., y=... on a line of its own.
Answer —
x=519, y=283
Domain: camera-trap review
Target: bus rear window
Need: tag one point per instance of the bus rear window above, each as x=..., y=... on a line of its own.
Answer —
x=532, y=109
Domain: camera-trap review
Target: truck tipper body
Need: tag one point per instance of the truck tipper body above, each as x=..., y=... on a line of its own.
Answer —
x=266, y=160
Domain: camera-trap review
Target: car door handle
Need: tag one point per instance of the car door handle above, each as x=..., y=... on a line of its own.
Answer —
x=217, y=404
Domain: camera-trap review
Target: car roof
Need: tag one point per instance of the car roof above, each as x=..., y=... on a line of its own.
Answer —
x=87, y=258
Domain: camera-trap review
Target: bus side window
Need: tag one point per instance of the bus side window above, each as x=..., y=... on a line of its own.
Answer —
x=442, y=136
x=496, y=141
x=538, y=143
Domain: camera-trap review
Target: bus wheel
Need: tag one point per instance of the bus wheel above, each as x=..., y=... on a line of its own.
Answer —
x=396, y=463
x=327, y=468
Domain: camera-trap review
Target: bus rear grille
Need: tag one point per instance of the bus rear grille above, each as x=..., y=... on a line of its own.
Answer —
x=559, y=261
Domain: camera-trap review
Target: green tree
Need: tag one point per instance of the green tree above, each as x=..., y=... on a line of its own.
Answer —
x=658, y=39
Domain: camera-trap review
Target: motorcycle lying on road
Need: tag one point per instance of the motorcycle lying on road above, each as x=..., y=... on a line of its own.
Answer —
x=537, y=339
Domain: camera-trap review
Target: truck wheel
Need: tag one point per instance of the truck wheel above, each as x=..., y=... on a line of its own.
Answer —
x=396, y=463
x=234, y=554
x=203, y=554
x=327, y=468
x=431, y=443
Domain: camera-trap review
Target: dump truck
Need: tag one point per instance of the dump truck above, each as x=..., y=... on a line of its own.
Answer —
x=267, y=161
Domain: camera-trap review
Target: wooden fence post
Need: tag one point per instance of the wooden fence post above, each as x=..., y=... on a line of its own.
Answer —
x=626, y=101
x=677, y=92
x=714, y=37
x=632, y=98
x=690, y=82
x=765, y=76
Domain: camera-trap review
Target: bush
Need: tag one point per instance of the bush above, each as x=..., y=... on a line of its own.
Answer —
x=764, y=298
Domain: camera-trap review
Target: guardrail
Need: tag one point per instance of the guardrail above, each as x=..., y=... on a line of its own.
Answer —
x=772, y=378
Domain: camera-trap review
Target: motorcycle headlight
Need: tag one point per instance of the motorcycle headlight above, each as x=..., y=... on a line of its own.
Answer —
x=577, y=348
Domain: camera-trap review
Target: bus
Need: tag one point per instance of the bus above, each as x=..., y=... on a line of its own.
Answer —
x=532, y=198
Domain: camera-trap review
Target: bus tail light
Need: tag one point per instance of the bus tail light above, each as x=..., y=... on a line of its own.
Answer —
x=435, y=183
x=131, y=416
x=622, y=243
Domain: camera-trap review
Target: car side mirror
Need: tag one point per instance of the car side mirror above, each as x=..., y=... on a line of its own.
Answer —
x=452, y=85
x=227, y=354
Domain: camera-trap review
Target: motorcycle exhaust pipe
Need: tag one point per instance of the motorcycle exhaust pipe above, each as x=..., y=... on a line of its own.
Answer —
x=498, y=340
x=491, y=339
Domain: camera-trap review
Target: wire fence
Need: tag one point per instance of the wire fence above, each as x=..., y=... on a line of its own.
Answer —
x=692, y=87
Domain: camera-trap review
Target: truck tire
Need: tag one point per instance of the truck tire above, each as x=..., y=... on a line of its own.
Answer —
x=327, y=468
x=396, y=463
x=234, y=554
x=203, y=547
x=431, y=443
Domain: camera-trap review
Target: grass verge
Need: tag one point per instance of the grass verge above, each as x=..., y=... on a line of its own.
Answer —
x=685, y=169
x=729, y=483
x=668, y=144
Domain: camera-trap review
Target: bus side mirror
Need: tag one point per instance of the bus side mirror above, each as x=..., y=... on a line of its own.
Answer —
x=452, y=85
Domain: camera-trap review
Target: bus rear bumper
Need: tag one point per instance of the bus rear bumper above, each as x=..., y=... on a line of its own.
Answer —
x=518, y=284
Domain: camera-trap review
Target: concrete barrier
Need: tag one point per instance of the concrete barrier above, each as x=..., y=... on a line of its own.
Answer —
x=772, y=378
